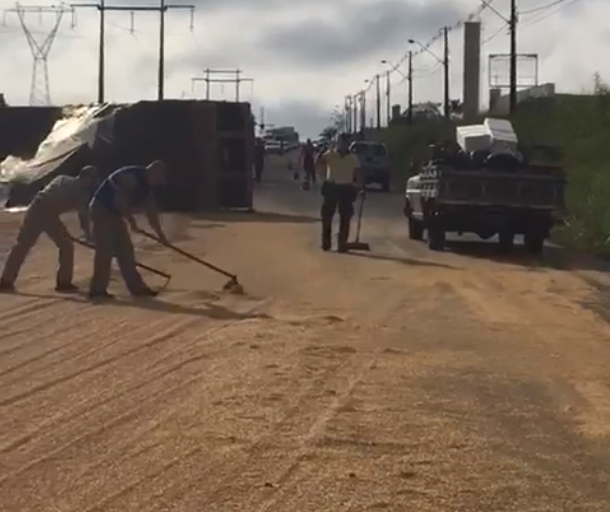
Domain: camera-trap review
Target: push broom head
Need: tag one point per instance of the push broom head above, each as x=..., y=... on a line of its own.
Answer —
x=233, y=287
x=358, y=246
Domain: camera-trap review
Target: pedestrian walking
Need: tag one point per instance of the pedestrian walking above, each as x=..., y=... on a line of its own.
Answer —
x=307, y=161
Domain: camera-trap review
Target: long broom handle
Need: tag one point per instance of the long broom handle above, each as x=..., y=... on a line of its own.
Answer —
x=192, y=257
x=152, y=270
x=359, y=224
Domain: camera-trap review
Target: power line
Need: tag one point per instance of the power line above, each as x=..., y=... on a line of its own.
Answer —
x=443, y=33
x=546, y=16
x=542, y=7
x=494, y=35
x=161, y=9
x=226, y=76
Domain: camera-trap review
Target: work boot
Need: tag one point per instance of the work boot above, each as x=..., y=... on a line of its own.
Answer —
x=6, y=287
x=326, y=243
x=66, y=288
x=326, y=238
x=100, y=295
x=145, y=292
x=342, y=245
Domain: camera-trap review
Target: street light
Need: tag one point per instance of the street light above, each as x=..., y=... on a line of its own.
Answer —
x=445, y=64
x=427, y=50
x=395, y=68
x=409, y=79
x=387, y=93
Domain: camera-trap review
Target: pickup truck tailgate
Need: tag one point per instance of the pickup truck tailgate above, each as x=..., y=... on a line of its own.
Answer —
x=502, y=189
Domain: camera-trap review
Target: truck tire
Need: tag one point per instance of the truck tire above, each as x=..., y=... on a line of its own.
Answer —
x=436, y=238
x=506, y=241
x=534, y=243
x=416, y=229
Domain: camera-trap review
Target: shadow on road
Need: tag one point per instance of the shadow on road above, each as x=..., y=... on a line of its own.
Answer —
x=599, y=301
x=402, y=260
x=207, y=310
x=554, y=256
x=255, y=216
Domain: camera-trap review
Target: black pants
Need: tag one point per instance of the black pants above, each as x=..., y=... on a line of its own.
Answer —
x=309, y=169
x=258, y=170
x=337, y=198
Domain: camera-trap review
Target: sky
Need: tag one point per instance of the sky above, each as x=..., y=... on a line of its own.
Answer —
x=304, y=57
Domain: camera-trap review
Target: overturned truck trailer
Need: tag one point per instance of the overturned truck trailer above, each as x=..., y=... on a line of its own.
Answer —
x=207, y=146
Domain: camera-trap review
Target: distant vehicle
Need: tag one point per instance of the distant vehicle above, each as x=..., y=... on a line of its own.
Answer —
x=487, y=193
x=321, y=147
x=374, y=161
x=273, y=147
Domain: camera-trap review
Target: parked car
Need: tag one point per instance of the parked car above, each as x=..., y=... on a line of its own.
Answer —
x=273, y=147
x=374, y=161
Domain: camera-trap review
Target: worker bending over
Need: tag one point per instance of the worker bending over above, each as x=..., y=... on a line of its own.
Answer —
x=62, y=194
x=342, y=181
x=111, y=211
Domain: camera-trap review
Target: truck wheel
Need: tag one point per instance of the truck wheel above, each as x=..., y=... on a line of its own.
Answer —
x=436, y=239
x=416, y=229
x=506, y=241
x=534, y=243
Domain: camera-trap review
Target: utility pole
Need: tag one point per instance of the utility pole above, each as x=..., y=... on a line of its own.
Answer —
x=378, y=101
x=387, y=96
x=237, y=79
x=348, y=114
x=237, y=82
x=410, y=93
x=162, y=10
x=446, y=66
x=261, y=125
x=40, y=90
x=513, y=57
x=362, y=110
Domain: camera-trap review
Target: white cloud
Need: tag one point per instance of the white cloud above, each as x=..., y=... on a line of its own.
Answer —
x=240, y=34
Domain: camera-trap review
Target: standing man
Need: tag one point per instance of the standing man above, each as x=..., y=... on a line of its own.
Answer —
x=343, y=180
x=62, y=194
x=259, y=159
x=111, y=211
x=307, y=160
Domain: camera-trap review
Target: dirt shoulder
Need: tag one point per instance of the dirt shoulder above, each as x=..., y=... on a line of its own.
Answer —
x=393, y=381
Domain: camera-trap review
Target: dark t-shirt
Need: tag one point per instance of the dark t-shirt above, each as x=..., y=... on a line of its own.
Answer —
x=308, y=154
x=107, y=191
x=259, y=153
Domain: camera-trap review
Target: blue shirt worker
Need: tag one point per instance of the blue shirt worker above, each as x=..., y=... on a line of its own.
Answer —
x=111, y=212
x=61, y=195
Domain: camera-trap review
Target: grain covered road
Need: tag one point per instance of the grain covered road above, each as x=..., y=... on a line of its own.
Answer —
x=396, y=380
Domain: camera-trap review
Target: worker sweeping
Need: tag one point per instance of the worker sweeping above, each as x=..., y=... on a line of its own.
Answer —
x=111, y=212
x=62, y=194
x=342, y=182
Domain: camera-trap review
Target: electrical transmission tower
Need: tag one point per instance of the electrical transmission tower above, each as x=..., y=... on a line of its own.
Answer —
x=40, y=93
x=237, y=79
